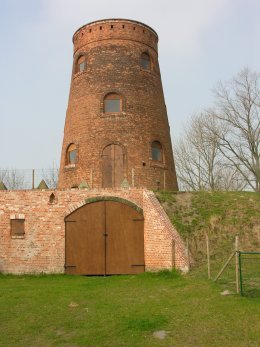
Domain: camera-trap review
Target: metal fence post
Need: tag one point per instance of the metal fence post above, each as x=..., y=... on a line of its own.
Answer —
x=237, y=275
x=33, y=177
x=240, y=274
x=188, y=253
x=208, y=255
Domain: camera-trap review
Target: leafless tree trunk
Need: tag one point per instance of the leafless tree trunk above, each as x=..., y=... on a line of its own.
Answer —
x=199, y=162
x=238, y=124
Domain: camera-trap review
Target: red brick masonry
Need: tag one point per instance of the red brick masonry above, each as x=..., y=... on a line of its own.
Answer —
x=112, y=49
x=42, y=248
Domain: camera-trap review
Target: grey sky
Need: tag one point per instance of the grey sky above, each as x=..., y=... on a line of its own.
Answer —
x=200, y=43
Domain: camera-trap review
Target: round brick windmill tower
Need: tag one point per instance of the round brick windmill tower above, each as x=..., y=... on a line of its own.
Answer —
x=116, y=132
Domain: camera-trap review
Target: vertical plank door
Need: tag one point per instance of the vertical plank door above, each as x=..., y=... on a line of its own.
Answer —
x=85, y=240
x=113, y=163
x=125, y=239
x=118, y=165
x=104, y=237
x=107, y=167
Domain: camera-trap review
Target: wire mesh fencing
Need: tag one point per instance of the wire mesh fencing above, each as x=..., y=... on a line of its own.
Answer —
x=249, y=269
x=19, y=179
x=219, y=256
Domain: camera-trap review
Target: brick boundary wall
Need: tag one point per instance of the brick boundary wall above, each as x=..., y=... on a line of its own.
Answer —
x=42, y=248
x=161, y=238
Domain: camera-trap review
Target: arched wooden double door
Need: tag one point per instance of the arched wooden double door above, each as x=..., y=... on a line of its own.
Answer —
x=104, y=237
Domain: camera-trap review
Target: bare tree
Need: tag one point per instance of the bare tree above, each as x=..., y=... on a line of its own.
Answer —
x=196, y=156
x=23, y=178
x=238, y=124
x=13, y=179
x=199, y=162
x=51, y=176
x=2, y=174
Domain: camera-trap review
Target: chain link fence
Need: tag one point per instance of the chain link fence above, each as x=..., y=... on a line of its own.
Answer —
x=249, y=268
x=19, y=179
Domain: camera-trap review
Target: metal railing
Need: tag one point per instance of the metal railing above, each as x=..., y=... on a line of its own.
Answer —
x=249, y=273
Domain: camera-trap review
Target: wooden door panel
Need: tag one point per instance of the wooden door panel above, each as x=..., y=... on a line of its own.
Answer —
x=107, y=167
x=113, y=165
x=104, y=237
x=85, y=240
x=125, y=239
x=118, y=166
x=70, y=262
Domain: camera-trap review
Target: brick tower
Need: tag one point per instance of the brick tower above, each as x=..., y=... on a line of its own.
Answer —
x=116, y=131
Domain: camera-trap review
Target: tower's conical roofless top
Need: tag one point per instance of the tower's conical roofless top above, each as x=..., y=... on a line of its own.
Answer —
x=116, y=132
x=115, y=20
x=115, y=29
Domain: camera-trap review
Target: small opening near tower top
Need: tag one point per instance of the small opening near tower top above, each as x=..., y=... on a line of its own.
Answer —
x=81, y=64
x=145, y=61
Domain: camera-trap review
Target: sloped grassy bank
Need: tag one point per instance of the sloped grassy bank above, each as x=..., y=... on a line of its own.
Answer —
x=221, y=215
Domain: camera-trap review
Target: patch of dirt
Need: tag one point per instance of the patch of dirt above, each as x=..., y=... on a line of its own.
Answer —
x=160, y=334
x=184, y=199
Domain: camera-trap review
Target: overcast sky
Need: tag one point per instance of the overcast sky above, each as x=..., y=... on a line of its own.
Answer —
x=200, y=43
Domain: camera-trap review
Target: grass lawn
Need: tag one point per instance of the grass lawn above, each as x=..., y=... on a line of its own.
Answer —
x=62, y=310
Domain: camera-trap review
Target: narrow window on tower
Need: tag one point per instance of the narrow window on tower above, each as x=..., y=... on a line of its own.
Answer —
x=145, y=61
x=81, y=64
x=112, y=103
x=71, y=157
x=157, y=152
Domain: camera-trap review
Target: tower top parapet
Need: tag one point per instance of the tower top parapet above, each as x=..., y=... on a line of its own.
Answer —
x=121, y=29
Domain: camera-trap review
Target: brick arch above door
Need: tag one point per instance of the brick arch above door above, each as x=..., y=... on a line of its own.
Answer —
x=130, y=203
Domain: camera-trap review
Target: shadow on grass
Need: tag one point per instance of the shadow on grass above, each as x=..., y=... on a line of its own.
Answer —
x=148, y=323
x=163, y=274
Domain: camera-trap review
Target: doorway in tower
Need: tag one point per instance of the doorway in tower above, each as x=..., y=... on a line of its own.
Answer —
x=105, y=237
x=113, y=166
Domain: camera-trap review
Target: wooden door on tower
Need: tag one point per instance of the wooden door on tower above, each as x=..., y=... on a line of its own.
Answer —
x=104, y=237
x=113, y=166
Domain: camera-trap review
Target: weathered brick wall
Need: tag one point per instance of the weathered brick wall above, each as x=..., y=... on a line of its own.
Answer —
x=42, y=249
x=161, y=238
x=113, y=49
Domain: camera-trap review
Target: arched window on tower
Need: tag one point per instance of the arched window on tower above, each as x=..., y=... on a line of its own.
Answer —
x=112, y=103
x=81, y=64
x=157, y=151
x=145, y=61
x=71, y=155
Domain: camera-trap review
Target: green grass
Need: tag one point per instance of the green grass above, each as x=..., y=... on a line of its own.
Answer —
x=221, y=215
x=60, y=310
